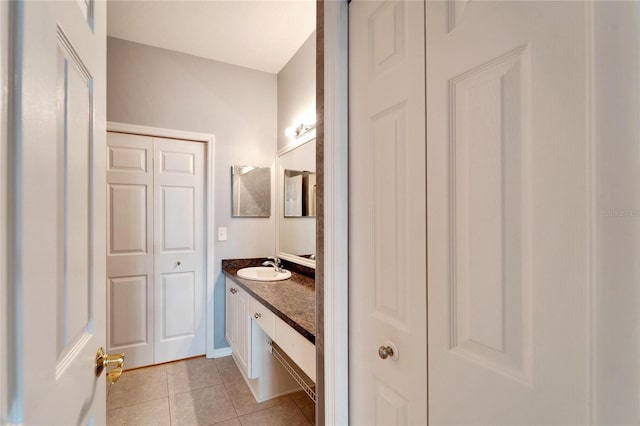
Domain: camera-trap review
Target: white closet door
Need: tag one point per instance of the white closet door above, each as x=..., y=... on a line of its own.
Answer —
x=130, y=247
x=387, y=226
x=508, y=207
x=179, y=249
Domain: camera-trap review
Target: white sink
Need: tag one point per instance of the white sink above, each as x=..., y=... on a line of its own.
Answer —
x=263, y=273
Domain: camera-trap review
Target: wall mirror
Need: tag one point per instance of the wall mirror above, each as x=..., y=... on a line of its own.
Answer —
x=251, y=191
x=296, y=202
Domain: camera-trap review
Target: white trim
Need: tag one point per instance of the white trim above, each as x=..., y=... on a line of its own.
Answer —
x=4, y=61
x=590, y=309
x=209, y=139
x=295, y=259
x=307, y=137
x=210, y=260
x=310, y=135
x=613, y=104
x=159, y=132
x=221, y=352
x=336, y=219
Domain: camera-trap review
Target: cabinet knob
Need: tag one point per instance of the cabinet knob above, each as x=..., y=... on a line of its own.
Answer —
x=178, y=262
x=257, y=315
x=233, y=290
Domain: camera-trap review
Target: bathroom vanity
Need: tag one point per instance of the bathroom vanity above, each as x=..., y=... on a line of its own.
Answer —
x=270, y=327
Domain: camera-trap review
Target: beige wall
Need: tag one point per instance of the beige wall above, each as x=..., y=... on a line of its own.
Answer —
x=297, y=90
x=157, y=87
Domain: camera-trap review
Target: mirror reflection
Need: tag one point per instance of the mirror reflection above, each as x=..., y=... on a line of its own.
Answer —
x=299, y=193
x=251, y=191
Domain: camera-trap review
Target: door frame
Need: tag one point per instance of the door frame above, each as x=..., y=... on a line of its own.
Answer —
x=335, y=140
x=4, y=175
x=209, y=140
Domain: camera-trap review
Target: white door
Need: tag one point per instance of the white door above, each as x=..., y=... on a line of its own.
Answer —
x=387, y=226
x=179, y=249
x=508, y=209
x=57, y=220
x=130, y=286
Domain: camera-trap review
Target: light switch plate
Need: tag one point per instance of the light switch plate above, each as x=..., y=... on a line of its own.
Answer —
x=222, y=234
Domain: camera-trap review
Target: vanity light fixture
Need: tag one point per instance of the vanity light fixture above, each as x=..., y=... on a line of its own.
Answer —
x=304, y=128
x=300, y=130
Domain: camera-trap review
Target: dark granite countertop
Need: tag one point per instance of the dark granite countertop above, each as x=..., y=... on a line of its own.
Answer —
x=292, y=300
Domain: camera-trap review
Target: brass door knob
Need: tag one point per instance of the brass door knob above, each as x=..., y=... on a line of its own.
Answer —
x=104, y=361
x=385, y=352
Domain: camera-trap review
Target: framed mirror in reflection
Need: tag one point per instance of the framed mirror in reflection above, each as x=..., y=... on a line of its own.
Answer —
x=296, y=201
x=251, y=191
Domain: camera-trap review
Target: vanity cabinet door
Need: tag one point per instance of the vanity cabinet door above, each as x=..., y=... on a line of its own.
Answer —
x=231, y=324
x=242, y=318
x=237, y=323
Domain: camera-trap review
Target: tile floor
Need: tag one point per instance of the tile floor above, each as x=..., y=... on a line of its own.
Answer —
x=199, y=391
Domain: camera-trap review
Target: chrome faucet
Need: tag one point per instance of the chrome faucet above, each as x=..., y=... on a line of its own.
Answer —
x=275, y=262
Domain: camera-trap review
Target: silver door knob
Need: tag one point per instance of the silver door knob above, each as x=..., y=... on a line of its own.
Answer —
x=385, y=352
x=257, y=315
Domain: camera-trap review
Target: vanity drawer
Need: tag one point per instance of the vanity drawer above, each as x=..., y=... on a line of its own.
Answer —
x=263, y=317
x=297, y=347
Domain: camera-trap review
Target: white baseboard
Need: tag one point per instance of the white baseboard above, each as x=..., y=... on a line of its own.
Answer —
x=219, y=353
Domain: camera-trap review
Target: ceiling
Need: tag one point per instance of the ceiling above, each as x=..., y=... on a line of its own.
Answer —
x=258, y=34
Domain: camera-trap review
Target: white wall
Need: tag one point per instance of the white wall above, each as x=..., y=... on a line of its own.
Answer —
x=297, y=90
x=161, y=88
